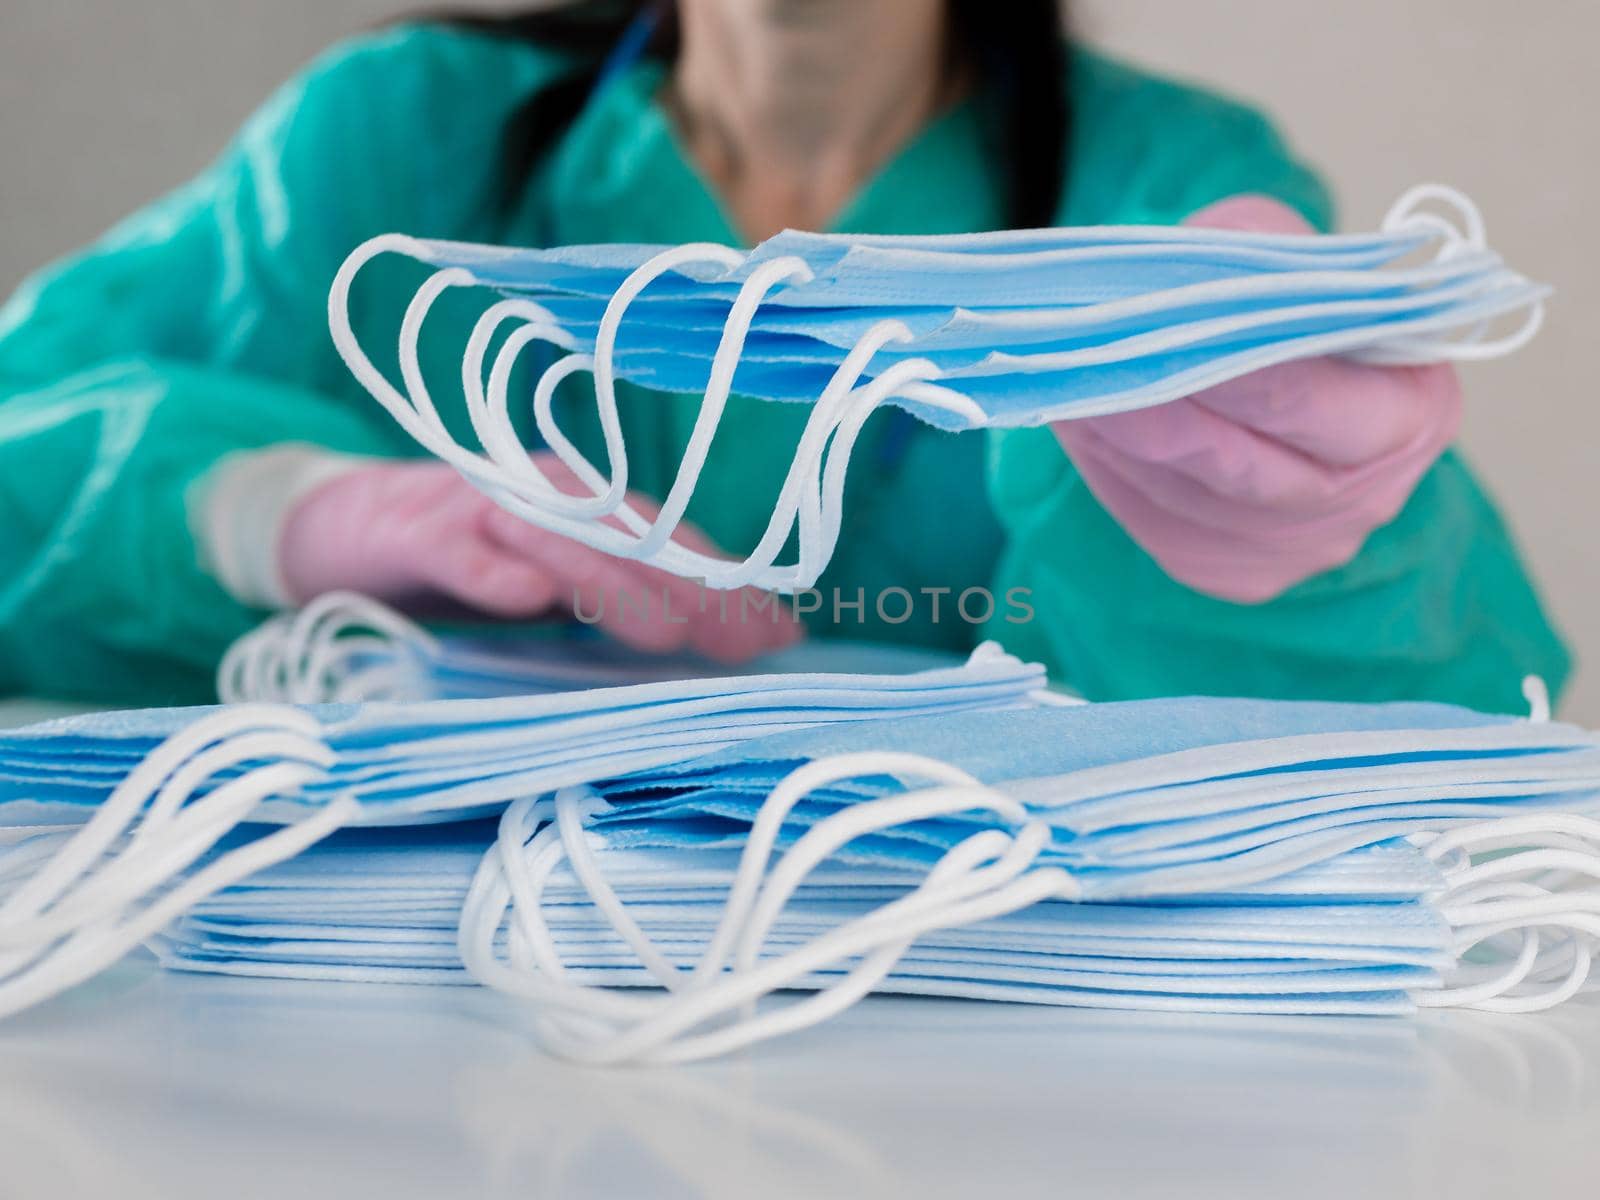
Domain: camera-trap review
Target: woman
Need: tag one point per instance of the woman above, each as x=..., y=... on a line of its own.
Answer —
x=181, y=448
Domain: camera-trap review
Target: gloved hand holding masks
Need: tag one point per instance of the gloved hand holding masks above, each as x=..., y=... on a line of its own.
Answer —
x=1248, y=488
x=405, y=532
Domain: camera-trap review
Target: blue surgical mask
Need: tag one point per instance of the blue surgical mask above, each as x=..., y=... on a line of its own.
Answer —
x=695, y=328
x=183, y=779
x=1072, y=266
x=983, y=331
x=924, y=853
x=345, y=647
x=356, y=908
x=986, y=851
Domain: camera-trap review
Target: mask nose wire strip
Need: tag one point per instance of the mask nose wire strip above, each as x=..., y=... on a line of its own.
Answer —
x=989, y=873
x=79, y=911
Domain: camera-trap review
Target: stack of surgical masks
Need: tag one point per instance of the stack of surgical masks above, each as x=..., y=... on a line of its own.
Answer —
x=968, y=331
x=144, y=796
x=345, y=647
x=1345, y=936
x=1194, y=854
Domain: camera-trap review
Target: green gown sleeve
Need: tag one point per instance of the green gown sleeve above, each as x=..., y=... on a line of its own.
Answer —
x=1436, y=605
x=198, y=328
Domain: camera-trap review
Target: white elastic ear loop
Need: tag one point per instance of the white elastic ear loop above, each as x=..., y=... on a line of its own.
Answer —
x=800, y=497
x=1532, y=825
x=880, y=939
x=491, y=418
x=604, y=364
x=1495, y=982
x=112, y=817
x=957, y=890
x=525, y=853
x=1469, y=236
x=508, y=463
x=570, y=806
x=655, y=545
x=527, y=872
x=489, y=897
x=719, y=386
x=1427, y=348
x=628, y=290
x=843, y=827
x=121, y=879
x=525, y=882
x=71, y=918
x=658, y=1039
x=607, y=494
x=410, y=334
x=837, y=403
x=90, y=951
x=305, y=657
x=1537, y=693
x=962, y=860
x=418, y=417
x=1524, y=892
x=505, y=477
x=1037, y=885
x=427, y=433
x=251, y=667
x=657, y=532
x=1406, y=213
x=817, y=551
x=1513, y=994
x=322, y=639
x=764, y=830
x=415, y=413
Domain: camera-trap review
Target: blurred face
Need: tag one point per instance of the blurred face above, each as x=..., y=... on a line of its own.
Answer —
x=838, y=17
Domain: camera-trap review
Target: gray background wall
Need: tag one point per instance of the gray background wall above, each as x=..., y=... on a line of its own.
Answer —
x=105, y=104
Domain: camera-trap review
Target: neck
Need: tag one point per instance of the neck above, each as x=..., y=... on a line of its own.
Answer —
x=788, y=106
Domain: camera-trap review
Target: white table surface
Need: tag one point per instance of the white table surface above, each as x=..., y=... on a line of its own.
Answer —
x=147, y=1084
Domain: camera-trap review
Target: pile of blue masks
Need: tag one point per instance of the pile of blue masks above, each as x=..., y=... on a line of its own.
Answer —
x=344, y=647
x=1189, y=854
x=109, y=822
x=964, y=331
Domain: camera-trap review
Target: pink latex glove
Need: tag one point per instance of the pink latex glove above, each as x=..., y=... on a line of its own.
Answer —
x=1249, y=487
x=412, y=532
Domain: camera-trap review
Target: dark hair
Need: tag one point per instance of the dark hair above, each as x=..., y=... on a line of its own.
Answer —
x=1016, y=47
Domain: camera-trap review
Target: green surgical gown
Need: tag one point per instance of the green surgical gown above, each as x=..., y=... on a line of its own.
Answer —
x=197, y=329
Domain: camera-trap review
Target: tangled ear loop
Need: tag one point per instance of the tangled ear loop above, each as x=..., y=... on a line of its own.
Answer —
x=1543, y=889
x=1544, y=939
x=125, y=873
x=987, y=874
x=342, y=646
x=508, y=477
